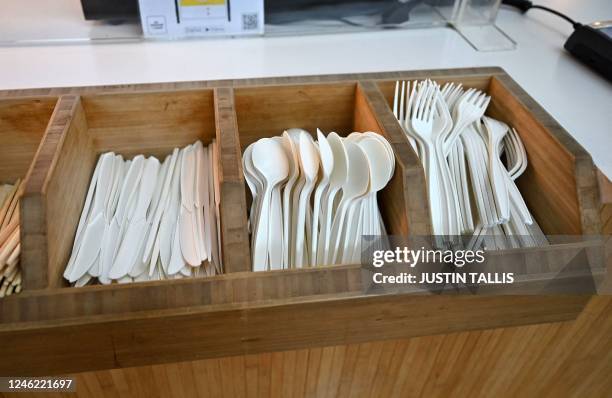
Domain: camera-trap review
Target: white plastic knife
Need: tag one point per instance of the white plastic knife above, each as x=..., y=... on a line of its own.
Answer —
x=187, y=226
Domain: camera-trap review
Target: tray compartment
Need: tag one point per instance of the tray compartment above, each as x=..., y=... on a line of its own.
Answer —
x=82, y=128
x=559, y=185
x=23, y=121
x=342, y=107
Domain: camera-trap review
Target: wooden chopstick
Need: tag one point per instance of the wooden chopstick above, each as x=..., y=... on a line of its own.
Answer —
x=8, y=247
x=12, y=208
x=6, y=232
x=7, y=203
x=8, y=273
x=15, y=254
x=10, y=281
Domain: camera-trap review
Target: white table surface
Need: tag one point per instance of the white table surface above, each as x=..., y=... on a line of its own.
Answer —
x=579, y=99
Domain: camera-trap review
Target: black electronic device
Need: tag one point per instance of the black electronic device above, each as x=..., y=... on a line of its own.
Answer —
x=592, y=44
x=281, y=11
x=110, y=10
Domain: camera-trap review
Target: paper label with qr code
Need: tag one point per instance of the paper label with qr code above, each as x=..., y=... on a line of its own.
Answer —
x=176, y=19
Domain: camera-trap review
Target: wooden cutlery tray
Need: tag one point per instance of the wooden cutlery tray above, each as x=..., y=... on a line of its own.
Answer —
x=52, y=328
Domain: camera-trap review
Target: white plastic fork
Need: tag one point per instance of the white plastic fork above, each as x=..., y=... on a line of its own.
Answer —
x=515, y=153
x=402, y=109
x=495, y=131
x=422, y=121
x=469, y=107
x=451, y=92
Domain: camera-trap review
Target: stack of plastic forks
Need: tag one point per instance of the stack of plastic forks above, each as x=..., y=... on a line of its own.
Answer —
x=471, y=191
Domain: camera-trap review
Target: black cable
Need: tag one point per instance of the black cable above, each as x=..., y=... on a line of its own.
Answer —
x=557, y=13
x=525, y=5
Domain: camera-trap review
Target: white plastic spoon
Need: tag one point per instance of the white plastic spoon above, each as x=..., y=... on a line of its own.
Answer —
x=356, y=185
x=270, y=161
x=295, y=135
x=380, y=170
x=255, y=186
x=276, y=246
x=294, y=173
x=327, y=166
x=337, y=179
x=310, y=162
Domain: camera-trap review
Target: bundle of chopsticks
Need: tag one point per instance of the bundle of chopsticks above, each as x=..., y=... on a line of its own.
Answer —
x=10, y=273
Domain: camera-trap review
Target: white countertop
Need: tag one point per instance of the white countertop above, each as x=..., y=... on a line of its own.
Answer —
x=579, y=99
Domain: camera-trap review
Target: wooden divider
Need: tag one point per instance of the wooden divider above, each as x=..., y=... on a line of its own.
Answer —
x=49, y=211
x=234, y=232
x=416, y=203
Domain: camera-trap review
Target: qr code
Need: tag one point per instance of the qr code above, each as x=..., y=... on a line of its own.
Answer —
x=250, y=21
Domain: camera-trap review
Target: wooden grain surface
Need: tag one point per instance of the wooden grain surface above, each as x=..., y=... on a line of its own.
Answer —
x=565, y=359
x=267, y=111
x=237, y=329
x=605, y=186
x=22, y=126
x=49, y=214
x=468, y=74
x=151, y=123
x=410, y=182
x=234, y=234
